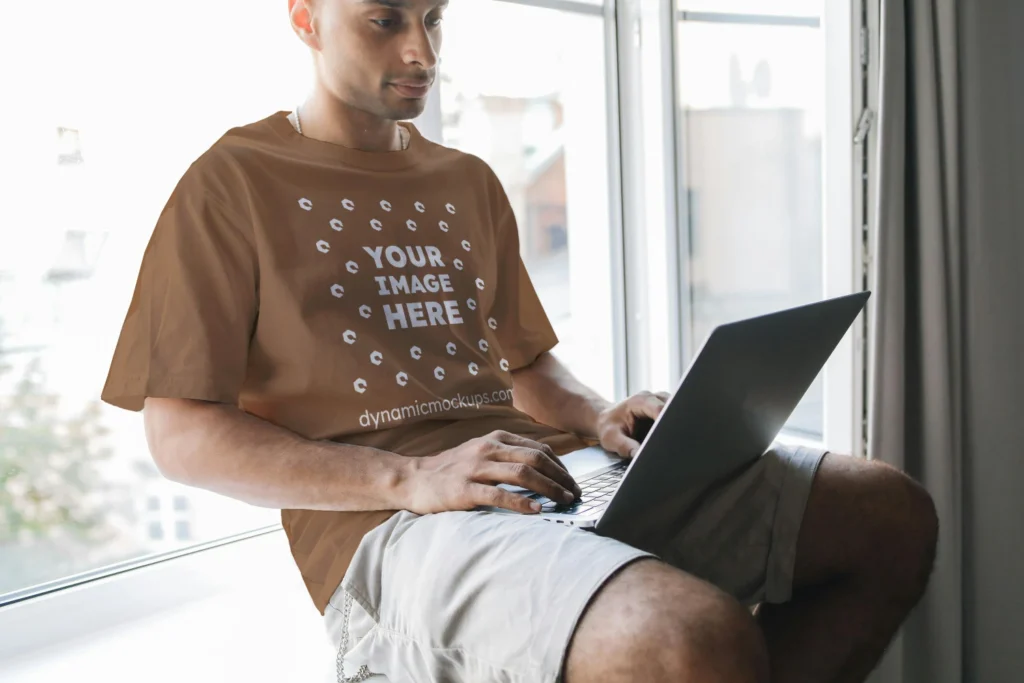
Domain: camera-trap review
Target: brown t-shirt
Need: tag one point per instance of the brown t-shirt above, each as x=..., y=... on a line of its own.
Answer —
x=368, y=298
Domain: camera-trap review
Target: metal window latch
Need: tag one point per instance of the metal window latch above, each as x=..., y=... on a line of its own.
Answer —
x=863, y=126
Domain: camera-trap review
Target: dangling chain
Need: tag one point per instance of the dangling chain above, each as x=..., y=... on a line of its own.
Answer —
x=363, y=672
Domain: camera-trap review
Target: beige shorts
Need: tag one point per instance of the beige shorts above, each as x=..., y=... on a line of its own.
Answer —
x=482, y=597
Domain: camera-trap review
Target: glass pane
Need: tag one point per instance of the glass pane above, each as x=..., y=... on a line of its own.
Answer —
x=538, y=118
x=751, y=115
x=94, y=135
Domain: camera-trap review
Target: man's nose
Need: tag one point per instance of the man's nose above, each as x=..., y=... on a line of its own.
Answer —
x=419, y=48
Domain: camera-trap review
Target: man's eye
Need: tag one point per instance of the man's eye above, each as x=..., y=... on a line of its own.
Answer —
x=384, y=23
x=435, y=22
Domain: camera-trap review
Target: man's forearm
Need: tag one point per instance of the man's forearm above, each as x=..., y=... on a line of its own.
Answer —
x=550, y=394
x=220, y=448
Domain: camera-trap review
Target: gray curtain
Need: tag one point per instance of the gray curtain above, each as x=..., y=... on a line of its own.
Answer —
x=947, y=396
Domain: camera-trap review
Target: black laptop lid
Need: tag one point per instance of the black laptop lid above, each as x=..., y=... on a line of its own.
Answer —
x=732, y=403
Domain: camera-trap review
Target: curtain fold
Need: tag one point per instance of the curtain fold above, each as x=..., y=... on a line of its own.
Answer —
x=916, y=401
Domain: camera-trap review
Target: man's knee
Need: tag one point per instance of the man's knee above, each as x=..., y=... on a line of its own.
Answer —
x=918, y=526
x=903, y=532
x=652, y=622
x=869, y=521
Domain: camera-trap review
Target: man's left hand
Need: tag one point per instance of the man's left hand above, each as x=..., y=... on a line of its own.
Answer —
x=616, y=425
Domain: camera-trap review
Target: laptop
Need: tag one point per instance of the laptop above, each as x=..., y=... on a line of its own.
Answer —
x=726, y=412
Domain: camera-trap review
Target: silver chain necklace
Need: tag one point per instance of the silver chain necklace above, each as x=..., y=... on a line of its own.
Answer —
x=403, y=134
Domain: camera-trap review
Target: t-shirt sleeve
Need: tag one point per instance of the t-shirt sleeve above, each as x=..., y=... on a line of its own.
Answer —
x=191, y=316
x=523, y=328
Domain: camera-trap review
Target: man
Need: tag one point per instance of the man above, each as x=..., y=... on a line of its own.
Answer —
x=330, y=318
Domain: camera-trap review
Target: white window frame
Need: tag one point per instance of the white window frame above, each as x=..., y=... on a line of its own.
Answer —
x=841, y=242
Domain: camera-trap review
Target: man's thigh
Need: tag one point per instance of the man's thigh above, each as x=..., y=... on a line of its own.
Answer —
x=741, y=534
x=468, y=596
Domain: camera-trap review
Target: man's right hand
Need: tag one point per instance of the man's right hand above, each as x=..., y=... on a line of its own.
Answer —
x=464, y=477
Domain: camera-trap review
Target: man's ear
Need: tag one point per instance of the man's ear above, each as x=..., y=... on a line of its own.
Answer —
x=302, y=24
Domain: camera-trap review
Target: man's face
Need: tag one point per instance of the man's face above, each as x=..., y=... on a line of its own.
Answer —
x=379, y=56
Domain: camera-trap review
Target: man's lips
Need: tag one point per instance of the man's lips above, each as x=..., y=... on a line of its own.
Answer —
x=411, y=89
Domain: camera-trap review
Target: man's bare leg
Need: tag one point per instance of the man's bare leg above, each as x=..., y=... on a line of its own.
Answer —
x=654, y=623
x=864, y=556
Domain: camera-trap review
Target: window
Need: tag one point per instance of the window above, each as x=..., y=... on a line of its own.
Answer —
x=109, y=121
x=751, y=118
x=538, y=117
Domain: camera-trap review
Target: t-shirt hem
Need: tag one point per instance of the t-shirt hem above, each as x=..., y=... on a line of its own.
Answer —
x=520, y=359
x=132, y=393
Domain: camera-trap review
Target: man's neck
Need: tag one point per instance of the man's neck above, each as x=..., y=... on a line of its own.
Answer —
x=330, y=120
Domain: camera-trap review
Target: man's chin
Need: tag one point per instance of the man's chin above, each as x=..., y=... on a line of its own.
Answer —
x=408, y=111
x=402, y=108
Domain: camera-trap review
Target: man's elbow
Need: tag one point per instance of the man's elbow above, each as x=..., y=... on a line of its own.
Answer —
x=170, y=424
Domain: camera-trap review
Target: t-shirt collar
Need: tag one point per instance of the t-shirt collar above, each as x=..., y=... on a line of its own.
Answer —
x=348, y=156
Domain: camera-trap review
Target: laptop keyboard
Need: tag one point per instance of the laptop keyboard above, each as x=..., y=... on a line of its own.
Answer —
x=597, y=491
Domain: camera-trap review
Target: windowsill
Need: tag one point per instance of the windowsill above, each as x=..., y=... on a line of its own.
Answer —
x=790, y=439
x=233, y=612
x=112, y=570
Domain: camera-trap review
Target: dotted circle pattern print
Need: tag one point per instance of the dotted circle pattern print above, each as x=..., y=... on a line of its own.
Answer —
x=361, y=385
